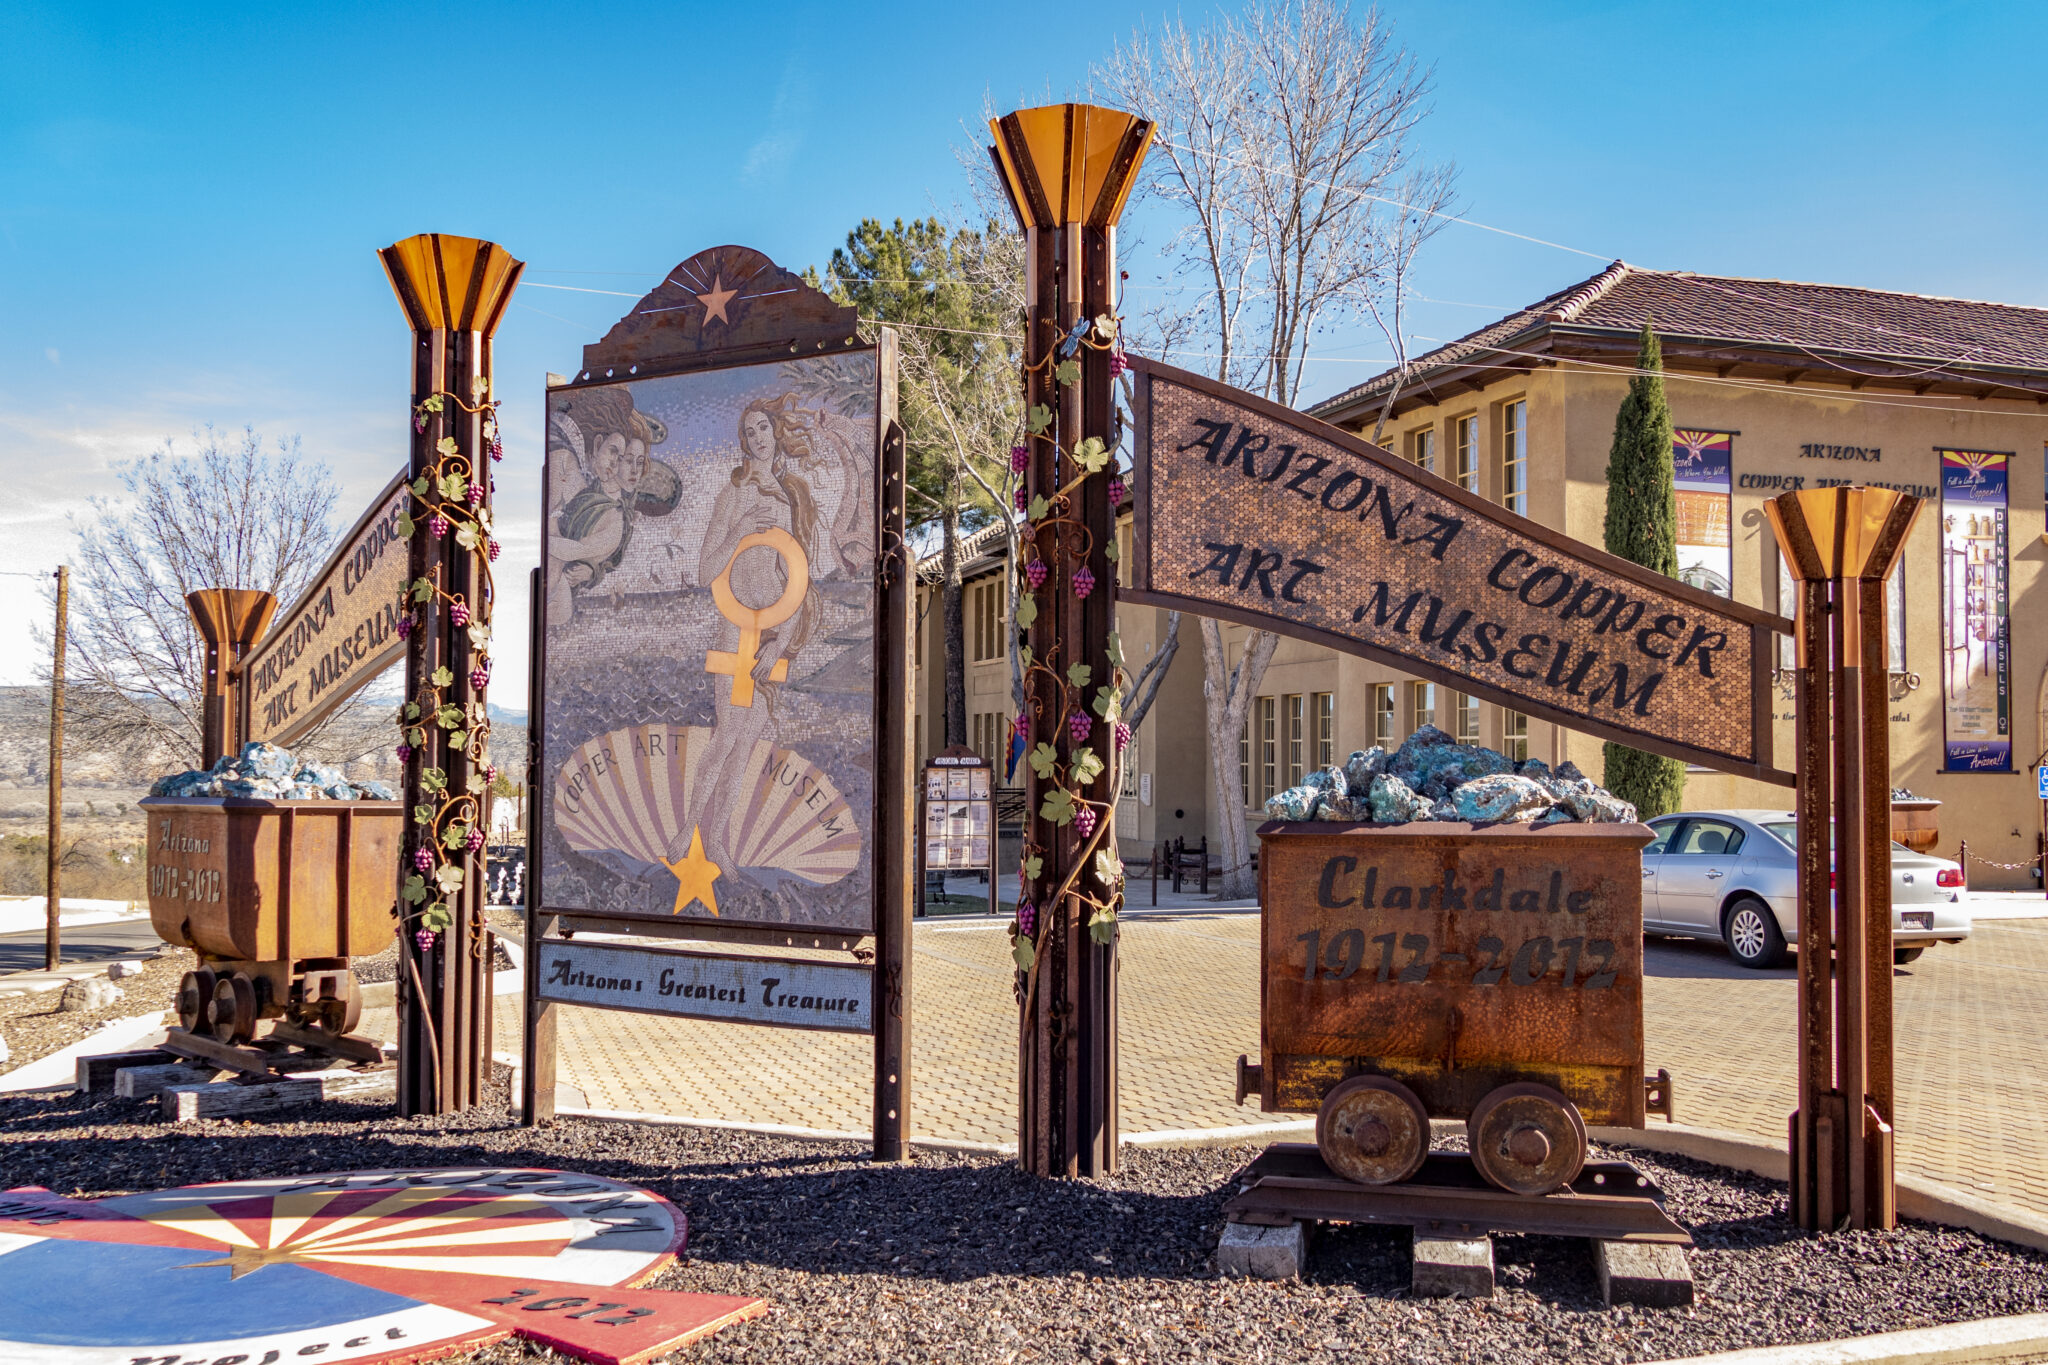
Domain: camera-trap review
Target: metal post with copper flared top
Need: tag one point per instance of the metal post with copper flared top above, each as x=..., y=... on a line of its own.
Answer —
x=230, y=622
x=1842, y=544
x=1068, y=169
x=454, y=291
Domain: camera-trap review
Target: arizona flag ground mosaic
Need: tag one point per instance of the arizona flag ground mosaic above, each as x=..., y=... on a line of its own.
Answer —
x=351, y=1266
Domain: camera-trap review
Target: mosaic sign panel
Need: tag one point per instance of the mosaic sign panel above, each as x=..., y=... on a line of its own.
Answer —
x=366, y=1266
x=1976, y=653
x=708, y=673
x=1252, y=512
x=339, y=635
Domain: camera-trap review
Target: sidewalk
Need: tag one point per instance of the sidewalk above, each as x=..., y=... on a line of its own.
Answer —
x=24, y=914
x=1992, y=905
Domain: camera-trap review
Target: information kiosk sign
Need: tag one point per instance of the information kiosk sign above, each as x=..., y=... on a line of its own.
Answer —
x=957, y=822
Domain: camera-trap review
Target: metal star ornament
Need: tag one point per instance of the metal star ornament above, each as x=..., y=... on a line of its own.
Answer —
x=716, y=299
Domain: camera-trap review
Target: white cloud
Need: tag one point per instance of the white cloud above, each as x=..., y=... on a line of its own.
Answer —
x=772, y=152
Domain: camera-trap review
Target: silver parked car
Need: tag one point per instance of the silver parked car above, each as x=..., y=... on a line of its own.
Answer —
x=1733, y=875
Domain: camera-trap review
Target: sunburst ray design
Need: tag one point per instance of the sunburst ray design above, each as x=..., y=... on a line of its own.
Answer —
x=412, y=1228
x=640, y=792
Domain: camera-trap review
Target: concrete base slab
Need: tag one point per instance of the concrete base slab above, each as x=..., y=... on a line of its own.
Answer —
x=2020, y=1338
x=1263, y=1253
x=1652, y=1275
x=1452, y=1268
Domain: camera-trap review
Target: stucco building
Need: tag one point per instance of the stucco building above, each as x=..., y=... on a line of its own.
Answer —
x=1772, y=385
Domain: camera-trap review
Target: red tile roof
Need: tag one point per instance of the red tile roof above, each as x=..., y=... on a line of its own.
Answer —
x=1838, y=327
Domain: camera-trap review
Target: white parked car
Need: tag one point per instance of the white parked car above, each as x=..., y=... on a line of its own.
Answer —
x=1733, y=875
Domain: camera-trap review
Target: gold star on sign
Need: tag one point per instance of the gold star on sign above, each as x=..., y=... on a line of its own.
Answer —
x=716, y=299
x=243, y=1260
x=695, y=875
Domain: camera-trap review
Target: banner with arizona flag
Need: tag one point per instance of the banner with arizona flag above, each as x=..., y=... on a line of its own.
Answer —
x=1701, y=470
x=1976, y=664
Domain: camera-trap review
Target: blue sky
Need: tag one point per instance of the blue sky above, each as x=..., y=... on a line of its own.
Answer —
x=190, y=196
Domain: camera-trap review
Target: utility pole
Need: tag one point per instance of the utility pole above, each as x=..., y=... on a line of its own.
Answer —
x=52, y=891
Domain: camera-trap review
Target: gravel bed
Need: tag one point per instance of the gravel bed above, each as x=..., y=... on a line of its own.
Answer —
x=965, y=1260
x=34, y=1028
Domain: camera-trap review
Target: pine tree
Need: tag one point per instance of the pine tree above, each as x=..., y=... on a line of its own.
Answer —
x=1642, y=526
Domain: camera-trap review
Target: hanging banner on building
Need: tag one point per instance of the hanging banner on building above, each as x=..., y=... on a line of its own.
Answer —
x=1255, y=513
x=339, y=636
x=1976, y=672
x=1701, y=468
x=709, y=664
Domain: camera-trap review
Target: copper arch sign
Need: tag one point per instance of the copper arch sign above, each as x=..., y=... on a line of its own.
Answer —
x=1254, y=513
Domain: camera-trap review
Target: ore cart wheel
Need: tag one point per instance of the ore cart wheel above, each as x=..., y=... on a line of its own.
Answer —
x=233, y=1016
x=1527, y=1138
x=195, y=997
x=1373, y=1130
x=352, y=1006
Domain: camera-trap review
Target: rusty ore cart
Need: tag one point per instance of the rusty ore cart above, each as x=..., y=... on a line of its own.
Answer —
x=1486, y=973
x=275, y=897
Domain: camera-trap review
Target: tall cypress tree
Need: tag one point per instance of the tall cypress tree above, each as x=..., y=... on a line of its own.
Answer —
x=1642, y=526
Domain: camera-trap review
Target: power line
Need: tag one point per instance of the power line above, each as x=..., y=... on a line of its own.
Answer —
x=1606, y=256
x=579, y=289
x=1384, y=199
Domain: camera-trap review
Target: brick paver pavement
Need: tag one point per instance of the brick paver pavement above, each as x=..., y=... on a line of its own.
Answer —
x=1971, y=1021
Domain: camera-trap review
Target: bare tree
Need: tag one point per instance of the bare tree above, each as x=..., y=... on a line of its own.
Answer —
x=226, y=516
x=954, y=294
x=1280, y=138
x=1422, y=207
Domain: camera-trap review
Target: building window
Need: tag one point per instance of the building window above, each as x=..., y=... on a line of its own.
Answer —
x=1323, y=711
x=1422, y=448
x=1788, y=606
x=1383, y=715
x=988, y=620
x=1421, y=705
x=1895, y=619
x=1465, y=440
x=1269, y=747
x=1465, y=715
x=1514, y=456
x=991, y=733
x=1514, y=735
x=1244, y=762
x=1297, y=737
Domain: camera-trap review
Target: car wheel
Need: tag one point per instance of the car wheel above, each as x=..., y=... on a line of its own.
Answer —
x=1901, y=956
x=1751, y=932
